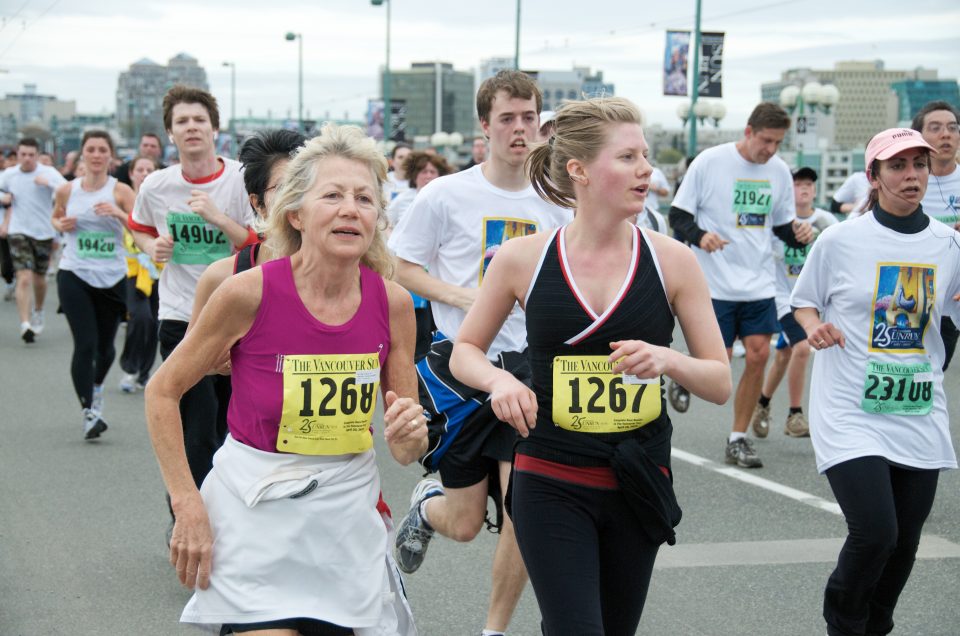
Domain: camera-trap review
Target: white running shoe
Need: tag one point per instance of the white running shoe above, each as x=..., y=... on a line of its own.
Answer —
x=93, y=426
x=129, y=384
x=739, y=350
x=36, y=321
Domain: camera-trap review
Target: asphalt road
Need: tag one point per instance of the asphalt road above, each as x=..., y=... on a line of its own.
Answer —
x=82, y=526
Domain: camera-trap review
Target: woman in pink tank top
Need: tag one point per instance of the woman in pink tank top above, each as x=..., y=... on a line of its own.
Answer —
x=284, y=533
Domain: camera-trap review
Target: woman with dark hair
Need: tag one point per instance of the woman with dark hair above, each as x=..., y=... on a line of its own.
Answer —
x=264, y=157
x=91, y=212
x=421, y=168
x=143, y=301
x=870, y=298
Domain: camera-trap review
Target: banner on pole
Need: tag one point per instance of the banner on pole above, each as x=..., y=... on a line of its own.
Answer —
x=675, y=63
x=710, y=76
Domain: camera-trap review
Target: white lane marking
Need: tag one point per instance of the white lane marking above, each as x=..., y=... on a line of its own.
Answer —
x=780, y=552
x=760, y=482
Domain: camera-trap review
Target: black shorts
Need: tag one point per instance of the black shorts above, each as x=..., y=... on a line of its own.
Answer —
x=483, y=442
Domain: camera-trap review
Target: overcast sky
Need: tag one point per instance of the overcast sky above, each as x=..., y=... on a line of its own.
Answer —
x=75, y=50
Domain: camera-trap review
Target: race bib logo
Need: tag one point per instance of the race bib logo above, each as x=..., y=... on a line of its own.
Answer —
x=903, y=300
x=498, y=230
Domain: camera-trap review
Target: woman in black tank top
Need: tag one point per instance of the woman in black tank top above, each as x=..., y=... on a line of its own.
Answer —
x=592, y=482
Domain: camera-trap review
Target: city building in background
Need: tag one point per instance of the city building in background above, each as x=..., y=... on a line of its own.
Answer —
x=437, y=97
x=141, y=88
x=914, y=92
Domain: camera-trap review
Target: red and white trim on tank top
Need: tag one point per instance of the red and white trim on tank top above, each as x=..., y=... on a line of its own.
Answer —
x=598, y=319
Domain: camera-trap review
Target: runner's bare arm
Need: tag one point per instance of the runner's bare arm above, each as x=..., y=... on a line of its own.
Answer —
x=705, y=372
x=820, y=334
x=404, y=423
x=420, y=282
x=59, y=220
x=504, y=284
x=201, y=203
x=226, y=318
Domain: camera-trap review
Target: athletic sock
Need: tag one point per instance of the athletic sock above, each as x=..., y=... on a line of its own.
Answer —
x=764, y=401
x=796, y=409
x=422, y=510
x=491, y=632
x=735, y=436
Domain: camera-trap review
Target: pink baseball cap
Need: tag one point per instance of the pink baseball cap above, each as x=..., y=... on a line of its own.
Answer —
x=891, y=142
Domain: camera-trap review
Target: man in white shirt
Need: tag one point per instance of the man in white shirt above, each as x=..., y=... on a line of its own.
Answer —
x=659, y=187
x=187, y=216
x=732, y=201
x=453, y=229
x=28, y=191
x=937, y=122
x=851, y=196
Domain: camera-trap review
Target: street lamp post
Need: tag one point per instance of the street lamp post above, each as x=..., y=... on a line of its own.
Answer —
x=516, y=41
x=695, y=84
x=701, y=111
x=233, y=103
x=814, y=96
x=387, y=104
x=291, y=36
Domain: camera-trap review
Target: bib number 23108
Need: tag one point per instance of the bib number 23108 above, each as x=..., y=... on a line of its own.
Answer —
x=902, y=389
x=328, y=403
x=590, y=398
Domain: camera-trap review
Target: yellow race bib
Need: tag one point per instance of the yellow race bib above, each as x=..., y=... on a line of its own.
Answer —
x=588, y=397
x=328, y=403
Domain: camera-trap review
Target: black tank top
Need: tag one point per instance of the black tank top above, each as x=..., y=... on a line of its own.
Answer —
x=560, y=324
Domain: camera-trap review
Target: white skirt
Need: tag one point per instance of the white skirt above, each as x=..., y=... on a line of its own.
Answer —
x=298, y=536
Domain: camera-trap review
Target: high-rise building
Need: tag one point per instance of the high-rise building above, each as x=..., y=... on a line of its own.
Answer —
x=437, y=98
x=913, y=93
x=141, y=88
x=868, y=101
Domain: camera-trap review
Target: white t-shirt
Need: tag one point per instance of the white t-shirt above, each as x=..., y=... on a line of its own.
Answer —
x=854, y=189
x=740, y=201
x=165, y=193
x=790, y=260
x=885, y=291
x=942, y=200
x=94, y=250
x=393, y=186
x=398, y=207
x=32, y=204
x=455, y=227
x=652, y=220
x=659, y=180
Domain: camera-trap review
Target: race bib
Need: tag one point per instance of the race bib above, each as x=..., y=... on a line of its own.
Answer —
x=96, y=244
x=901, y=389
x=588, y=397
x=752, y=202
x=794, y=258
x=328, y=403
x=195, y=242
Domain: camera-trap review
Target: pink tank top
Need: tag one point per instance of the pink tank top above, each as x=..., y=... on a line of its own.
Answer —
x=284, y=327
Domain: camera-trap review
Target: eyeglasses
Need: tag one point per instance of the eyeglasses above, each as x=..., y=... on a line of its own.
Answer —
x=937, y=128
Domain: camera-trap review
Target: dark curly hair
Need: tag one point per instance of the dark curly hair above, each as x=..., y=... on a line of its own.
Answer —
x=261, y=152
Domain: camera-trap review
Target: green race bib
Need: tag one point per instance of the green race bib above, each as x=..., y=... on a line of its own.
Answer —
x=195, y=242
x=901, y=389
x=752, y=202
x=96, y=244
x=794, y=258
